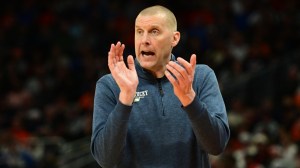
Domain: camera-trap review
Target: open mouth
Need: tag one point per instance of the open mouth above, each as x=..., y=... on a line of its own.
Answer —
x=147, y=53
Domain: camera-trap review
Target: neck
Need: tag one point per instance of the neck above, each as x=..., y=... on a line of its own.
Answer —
x=158, y=74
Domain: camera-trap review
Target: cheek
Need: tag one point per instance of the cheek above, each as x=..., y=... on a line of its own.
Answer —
x=136, y=42
x=136, y=46
x=166, y=43
x=165, y=46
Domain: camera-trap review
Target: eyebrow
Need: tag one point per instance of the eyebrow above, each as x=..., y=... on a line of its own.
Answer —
x=152, y=27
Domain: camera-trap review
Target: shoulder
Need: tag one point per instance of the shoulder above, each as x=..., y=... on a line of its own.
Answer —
x=203, y=70
x=203, y=67
x=107, y=81
x=205, y=78
x=106, y=85
x=204, y=74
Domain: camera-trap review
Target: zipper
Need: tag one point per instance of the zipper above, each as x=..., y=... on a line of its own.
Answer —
x=161, y=92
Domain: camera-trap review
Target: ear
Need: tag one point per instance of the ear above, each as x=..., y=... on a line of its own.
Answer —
x=176, y=38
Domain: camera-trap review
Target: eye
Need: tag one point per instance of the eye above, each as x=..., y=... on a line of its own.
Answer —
x=139, y=31
x=154, y=32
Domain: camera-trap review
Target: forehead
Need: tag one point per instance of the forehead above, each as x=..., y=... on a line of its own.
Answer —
x=157, y=20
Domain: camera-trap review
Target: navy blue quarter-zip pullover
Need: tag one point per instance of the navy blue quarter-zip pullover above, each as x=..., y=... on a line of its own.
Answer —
x=156, y=131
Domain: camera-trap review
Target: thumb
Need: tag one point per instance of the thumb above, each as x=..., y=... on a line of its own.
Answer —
x=130, y=62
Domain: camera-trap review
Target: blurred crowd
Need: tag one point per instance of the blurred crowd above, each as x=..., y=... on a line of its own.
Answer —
x=53, y=52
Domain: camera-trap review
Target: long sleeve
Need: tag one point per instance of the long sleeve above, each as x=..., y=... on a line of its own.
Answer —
x=207, y=113
x=110, y=121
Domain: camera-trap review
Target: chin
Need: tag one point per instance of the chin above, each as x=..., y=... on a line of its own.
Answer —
x=147, y=65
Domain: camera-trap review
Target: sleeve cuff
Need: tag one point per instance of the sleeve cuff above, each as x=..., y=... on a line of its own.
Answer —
x=122, y=111
x=195, y=109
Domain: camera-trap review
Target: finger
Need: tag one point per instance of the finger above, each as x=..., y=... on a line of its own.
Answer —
x=178, y=70
x=175, y=74
x=130, y=62
x=187, y=66
x=119, y=51
x=171, y=78
x=111, y=56
x=193, y=60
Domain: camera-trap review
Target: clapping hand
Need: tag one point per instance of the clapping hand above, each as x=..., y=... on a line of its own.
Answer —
x=126, y=77
x=182, y=77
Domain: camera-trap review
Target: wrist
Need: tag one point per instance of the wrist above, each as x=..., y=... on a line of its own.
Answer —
x=126, y=98
x=188, y=99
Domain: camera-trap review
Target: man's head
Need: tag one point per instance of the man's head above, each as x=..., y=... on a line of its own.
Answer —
x=155, y=36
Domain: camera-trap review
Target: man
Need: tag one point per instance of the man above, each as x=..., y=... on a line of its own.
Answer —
x=157, y=111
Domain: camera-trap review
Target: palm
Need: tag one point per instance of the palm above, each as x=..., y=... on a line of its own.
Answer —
x=182, y=78
x=126, y=77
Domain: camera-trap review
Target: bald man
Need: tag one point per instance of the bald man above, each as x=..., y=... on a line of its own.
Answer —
x=159, y=111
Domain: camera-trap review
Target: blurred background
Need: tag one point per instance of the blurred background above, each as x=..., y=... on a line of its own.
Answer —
x=53, y=52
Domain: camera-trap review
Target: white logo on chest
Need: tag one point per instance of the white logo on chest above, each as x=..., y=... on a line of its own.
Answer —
x=140, y=95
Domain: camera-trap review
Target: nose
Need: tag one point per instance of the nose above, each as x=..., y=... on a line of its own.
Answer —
x=146, y=39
